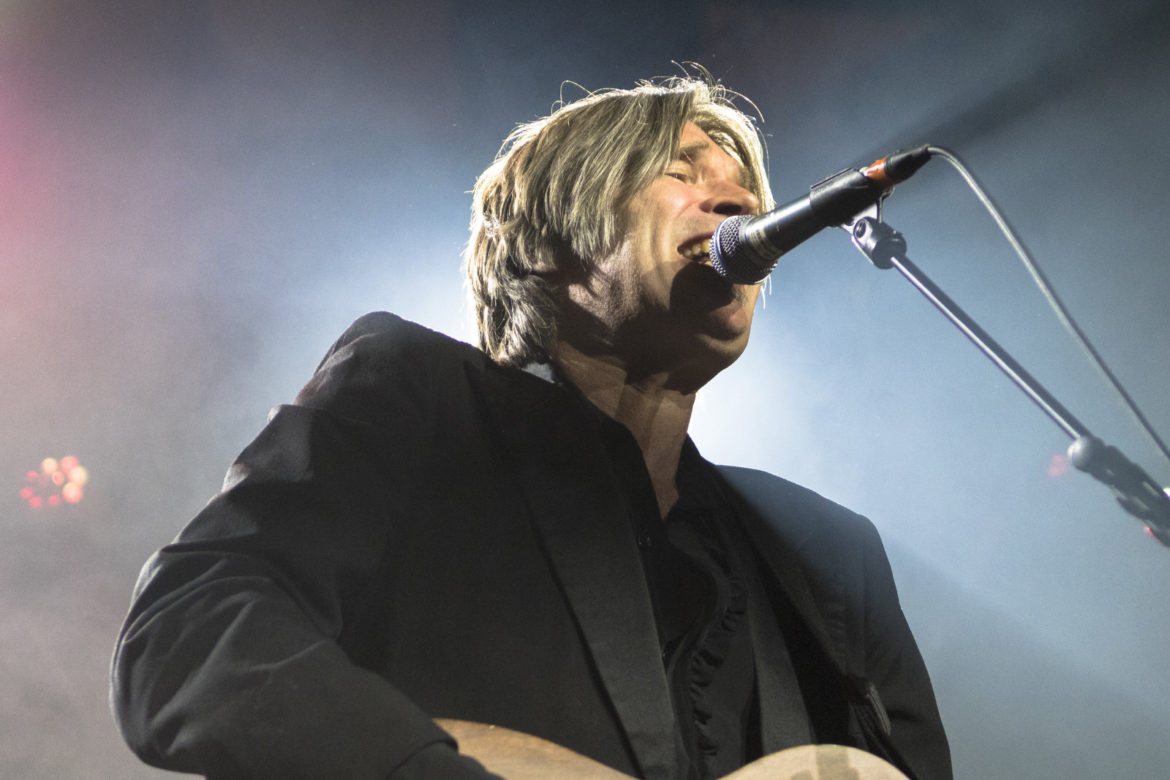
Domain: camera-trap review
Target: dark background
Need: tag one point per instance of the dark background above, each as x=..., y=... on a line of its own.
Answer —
x=197, y=197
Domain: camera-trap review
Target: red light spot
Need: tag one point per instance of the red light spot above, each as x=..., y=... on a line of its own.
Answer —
x=1058, y=466
x=56, y=483
x=71, y=492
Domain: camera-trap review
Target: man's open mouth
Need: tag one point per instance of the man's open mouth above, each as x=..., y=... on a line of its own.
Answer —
x=697, y=249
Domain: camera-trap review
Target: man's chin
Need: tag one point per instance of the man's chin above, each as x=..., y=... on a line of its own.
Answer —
x=726, y=307
x=723, y=339
x=731, y=322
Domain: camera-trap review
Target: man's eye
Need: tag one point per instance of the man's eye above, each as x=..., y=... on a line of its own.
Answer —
x=680, y=175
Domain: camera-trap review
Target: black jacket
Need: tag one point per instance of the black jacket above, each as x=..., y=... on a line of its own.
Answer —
x=426, y=534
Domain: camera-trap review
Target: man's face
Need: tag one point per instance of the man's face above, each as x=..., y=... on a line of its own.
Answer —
x=655, y=303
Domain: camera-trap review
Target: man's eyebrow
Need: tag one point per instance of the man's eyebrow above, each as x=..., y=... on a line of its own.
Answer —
x=693, y=150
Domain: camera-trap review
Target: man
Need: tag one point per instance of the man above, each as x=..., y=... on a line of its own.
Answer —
x=524, y=536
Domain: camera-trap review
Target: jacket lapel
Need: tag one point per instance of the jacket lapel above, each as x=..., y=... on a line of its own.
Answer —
x=779, y=550
x=551, y=442
x=813, y=549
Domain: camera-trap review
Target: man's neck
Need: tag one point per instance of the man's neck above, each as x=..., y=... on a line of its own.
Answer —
x=656, y=415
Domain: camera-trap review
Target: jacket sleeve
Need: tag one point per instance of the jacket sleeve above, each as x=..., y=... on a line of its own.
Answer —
x=894, y=665
x=230, y=663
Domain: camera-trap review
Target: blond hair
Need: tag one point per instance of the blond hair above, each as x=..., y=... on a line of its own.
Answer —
x=558, y=193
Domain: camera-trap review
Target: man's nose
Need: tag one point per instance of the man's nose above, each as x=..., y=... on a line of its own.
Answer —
x=730, y=199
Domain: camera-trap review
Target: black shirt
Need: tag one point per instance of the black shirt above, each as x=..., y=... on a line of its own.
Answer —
x=696, y=571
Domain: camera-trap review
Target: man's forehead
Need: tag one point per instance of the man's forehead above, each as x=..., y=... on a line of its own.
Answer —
x=696, y=146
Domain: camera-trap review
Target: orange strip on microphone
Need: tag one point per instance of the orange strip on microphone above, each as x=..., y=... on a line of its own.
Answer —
x=876, y=172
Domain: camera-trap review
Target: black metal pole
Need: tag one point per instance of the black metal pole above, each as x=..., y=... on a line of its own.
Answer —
x=1133, y=488
x=886, y=248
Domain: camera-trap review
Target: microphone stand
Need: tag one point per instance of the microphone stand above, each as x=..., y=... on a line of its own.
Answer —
x=1133, y=488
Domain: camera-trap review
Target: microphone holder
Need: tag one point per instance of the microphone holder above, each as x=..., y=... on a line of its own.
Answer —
x=1133, y=488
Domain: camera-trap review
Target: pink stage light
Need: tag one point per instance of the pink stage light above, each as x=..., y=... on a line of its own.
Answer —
x=55, y=483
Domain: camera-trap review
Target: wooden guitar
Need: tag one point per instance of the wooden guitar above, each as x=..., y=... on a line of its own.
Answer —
x=517, y=756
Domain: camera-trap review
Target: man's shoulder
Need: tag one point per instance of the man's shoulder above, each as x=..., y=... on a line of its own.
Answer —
x=382, y=334
x=382, y=358
x=383, y=363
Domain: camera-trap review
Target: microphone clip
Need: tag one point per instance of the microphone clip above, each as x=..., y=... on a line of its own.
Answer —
x=879, y=242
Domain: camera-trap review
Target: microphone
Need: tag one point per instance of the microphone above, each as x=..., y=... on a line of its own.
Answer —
x=745, y=249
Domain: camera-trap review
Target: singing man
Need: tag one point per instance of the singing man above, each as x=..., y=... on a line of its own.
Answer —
x=522, y=534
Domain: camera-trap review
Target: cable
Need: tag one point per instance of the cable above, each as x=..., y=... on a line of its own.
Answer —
x=1053, y=299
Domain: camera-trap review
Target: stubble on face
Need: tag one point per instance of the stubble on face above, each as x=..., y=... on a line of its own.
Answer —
x=645, y=303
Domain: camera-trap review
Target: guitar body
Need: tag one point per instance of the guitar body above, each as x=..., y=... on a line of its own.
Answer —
x=518, y=756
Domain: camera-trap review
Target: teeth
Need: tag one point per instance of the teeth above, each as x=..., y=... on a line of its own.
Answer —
x=697, y=250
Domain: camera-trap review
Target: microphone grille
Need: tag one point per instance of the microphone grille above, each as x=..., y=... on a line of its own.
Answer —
x=730, y=257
